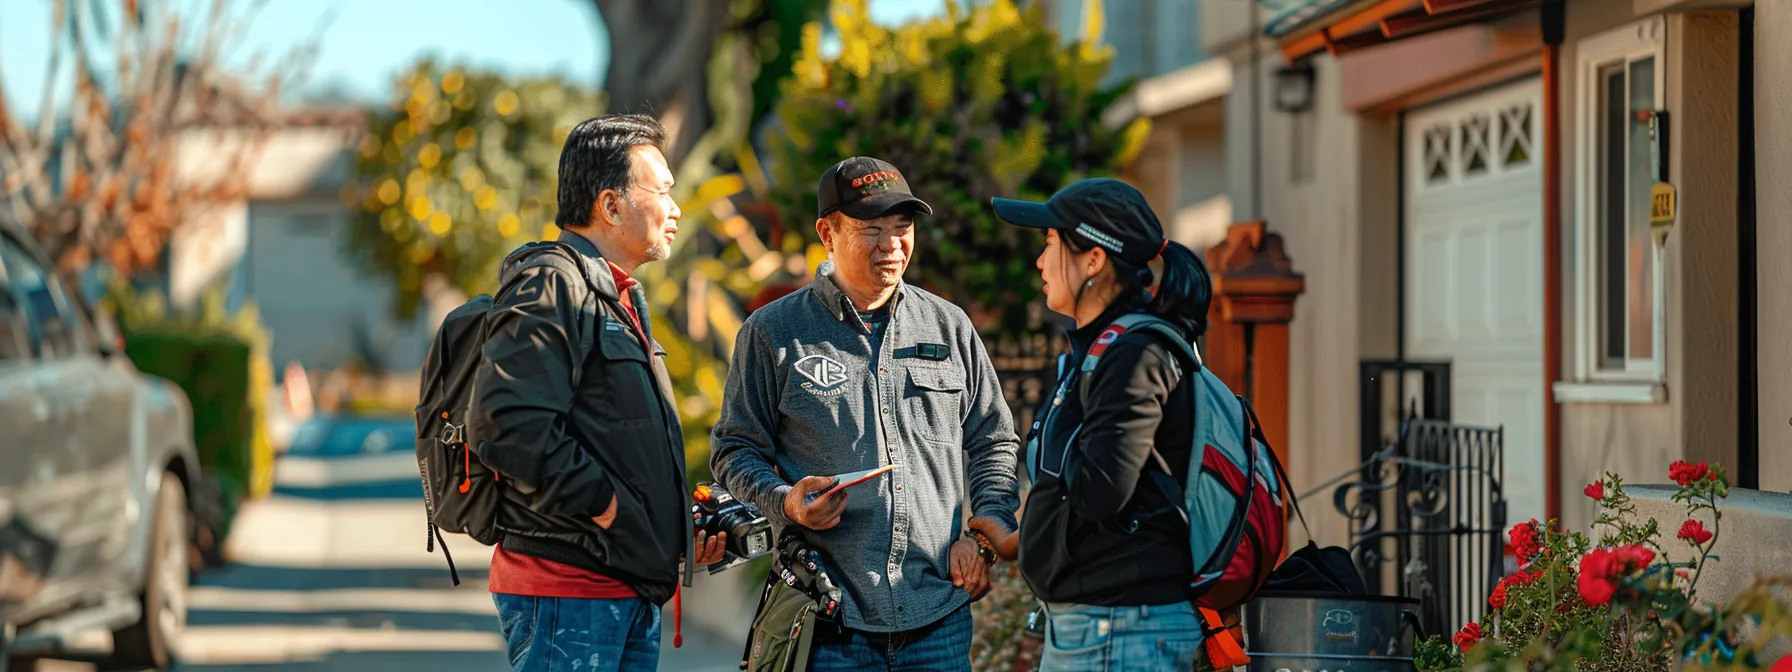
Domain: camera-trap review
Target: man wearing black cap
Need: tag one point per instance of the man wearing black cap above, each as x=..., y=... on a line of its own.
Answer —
x=859, y=371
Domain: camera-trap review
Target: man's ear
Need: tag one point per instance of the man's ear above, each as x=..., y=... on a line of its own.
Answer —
x=825, y=230
x=608, y=208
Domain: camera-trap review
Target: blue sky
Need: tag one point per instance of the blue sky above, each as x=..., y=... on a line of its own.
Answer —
x=369, y=41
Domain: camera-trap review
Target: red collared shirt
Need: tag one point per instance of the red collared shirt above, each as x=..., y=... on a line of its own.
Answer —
x=517, y=574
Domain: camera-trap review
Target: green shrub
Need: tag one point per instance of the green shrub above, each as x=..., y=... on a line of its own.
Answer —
x=221, y=362
x=977, y=103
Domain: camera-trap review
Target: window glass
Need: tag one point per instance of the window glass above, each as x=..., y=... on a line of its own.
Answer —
x=15, y=337
x=47, y=309
x=1626, y=171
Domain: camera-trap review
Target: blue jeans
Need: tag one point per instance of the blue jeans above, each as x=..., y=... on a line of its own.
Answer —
x=1085, y=638
x=944, y=646
x=558, y=634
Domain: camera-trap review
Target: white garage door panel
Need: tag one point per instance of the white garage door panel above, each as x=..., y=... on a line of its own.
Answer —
x=1474, y=218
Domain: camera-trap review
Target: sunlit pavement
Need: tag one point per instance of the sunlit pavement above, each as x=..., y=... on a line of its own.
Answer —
x=330, y=573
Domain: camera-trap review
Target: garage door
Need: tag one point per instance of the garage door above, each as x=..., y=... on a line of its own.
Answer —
x=1474, y=297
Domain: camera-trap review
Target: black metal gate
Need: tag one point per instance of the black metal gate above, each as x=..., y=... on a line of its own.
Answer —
x=1428, y=510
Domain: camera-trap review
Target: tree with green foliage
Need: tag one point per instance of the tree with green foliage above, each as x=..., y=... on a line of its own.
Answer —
x=978, y=103
x=458, y=171
x=672, y=58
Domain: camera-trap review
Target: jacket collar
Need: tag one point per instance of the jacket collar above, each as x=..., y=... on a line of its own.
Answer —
x=596, y=268
x=1127, y=304
x=836, y=300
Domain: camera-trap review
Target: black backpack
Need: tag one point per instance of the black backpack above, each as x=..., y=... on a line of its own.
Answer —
x=460, y=493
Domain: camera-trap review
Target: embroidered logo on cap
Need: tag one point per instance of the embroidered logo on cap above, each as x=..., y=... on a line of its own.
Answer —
x=877, y=179
x=1106, y=240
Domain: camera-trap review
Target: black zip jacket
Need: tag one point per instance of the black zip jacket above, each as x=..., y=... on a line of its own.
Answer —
x=1093, y=531
x=565, y=452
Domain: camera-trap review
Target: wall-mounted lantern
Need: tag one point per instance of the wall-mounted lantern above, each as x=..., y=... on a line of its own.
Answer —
x=1294, y=88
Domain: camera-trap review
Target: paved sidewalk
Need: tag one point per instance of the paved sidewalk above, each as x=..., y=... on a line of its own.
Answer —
x=330, y=573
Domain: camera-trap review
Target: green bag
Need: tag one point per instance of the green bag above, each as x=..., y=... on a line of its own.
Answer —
x=782, y=631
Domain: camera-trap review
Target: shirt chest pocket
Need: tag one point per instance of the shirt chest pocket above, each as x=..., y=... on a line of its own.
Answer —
x=623, y=375
x=935, y=395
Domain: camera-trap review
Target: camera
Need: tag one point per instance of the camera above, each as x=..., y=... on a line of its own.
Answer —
x=749, y=533
x=800, y=567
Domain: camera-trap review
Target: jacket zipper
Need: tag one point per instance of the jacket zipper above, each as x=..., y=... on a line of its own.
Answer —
x=690, y=544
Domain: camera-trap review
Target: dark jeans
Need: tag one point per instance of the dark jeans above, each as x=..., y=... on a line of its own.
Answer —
x=944, y=646
x=556, y=633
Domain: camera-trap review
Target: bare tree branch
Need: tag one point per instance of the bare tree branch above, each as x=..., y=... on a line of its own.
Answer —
x=158, y=133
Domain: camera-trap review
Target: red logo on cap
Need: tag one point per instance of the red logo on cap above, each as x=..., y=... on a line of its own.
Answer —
x=874, y=178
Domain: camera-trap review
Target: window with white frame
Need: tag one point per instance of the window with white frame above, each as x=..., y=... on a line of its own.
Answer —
x=1618, y=268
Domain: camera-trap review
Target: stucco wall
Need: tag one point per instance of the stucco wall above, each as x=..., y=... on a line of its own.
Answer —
x=1320, y=179
x=1698, y=419
x=1773, y=172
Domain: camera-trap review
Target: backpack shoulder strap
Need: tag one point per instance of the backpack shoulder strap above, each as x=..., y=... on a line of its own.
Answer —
x=1147, y=323
x=1203, y=416
x=1190, y=364
x=561, y=257
x=1275, y=463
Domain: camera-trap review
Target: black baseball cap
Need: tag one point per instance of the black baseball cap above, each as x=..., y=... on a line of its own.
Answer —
x=1101, y=211
x=866, y=188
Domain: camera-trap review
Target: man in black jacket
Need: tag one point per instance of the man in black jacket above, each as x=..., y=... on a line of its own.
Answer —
x=596, y=519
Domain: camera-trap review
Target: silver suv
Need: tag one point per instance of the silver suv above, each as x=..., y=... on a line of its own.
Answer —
x=96, y=467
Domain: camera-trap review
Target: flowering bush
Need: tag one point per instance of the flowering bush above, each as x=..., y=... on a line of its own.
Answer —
x=1620, y=604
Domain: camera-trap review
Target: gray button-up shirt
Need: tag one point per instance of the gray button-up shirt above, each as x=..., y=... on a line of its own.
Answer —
x=804, y=397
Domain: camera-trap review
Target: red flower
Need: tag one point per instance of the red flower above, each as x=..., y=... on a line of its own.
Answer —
x=1523, y=577
x=1596, y=491
x=1595, y=590
x=1695, y=532
x=1632, y=558
x=1498, y=599
x=1687, y=474
x=1470, y=634
x=1600, y=570
x=1525, y=542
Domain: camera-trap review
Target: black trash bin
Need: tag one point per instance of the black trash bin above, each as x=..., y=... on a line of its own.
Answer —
x=1314, y=632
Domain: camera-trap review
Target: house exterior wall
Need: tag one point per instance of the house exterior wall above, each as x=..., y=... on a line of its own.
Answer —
x=1773, y=171
x=1696, y=421
x=1149, y=37
x=1181, y=171
x=1329, y=189
x=313, y=298
x=1340, y=227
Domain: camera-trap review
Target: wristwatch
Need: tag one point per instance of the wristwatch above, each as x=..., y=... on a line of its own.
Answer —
x=985, y=549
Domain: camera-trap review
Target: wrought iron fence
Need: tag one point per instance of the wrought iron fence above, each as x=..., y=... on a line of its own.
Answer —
x=1027, y=367
x=1431, y=508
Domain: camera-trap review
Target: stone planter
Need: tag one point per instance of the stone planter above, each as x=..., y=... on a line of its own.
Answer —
x=1756, y=540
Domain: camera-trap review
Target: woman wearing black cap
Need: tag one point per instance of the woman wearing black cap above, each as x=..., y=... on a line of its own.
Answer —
x=1095, y=545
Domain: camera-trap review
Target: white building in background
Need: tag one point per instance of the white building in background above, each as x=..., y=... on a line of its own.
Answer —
x=283, y=248
x=1182, y=90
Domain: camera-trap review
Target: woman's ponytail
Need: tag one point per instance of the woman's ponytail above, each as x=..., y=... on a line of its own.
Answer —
x=1185, y=291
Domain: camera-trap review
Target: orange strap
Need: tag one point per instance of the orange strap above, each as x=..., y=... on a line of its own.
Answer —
x=1223, y=650
x=678, y=617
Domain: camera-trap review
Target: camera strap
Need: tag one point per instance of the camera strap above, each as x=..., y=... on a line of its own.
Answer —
x=798, y=593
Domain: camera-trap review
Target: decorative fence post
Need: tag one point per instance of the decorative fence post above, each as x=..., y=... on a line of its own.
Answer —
x=1254, y=287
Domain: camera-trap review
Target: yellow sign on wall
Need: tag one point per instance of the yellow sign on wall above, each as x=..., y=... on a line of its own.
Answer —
x=1664, y=206
x=1663, y=203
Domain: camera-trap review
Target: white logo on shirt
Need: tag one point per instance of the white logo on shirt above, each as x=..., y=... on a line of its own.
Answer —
x=823, y=373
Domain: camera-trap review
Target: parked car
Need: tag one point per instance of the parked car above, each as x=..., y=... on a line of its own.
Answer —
x=95, y=521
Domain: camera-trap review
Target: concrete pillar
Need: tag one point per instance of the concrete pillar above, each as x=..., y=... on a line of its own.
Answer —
x=1773, y=202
